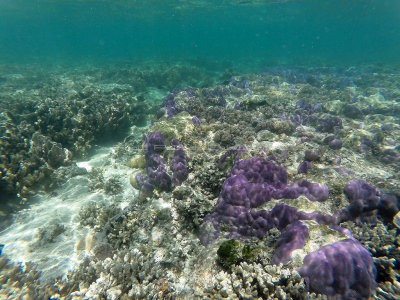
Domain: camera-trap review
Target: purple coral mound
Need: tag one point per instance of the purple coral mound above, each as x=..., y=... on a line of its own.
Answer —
x=157, y=176
x=153, y=146
x=330, y=124
x=178, y=164
x=364, y=200
x=304, y=167
x=344, y=269
x=196, y=121
x=292, y=238
x=252, y=182
x=170, y=104
x=304, y=113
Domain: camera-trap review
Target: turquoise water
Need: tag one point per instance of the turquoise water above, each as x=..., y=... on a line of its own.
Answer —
x=274, y=32
x=124, y=126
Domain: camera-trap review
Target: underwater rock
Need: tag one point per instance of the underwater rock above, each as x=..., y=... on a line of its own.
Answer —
x=277, y=126
x=396, y=220
x=337, y=160
x=343, y=171
x=234, y=153
x=191, y=206
x=387, y=128
x=228, y=137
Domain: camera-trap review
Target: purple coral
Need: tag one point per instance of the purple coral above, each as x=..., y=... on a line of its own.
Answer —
x=311, y=190
x=157, y=176
x=390, y=156
x=196, y=121
x=304, y=167
x=389, y=206
x=343, y=269
x=335, y=144
x=311, y=155
x=154, y=143
x=364, y=200
x=304, y=113
x=330, y=124
x=292, y=238
x=178, y=165
x=252, y=182
x=170, y=104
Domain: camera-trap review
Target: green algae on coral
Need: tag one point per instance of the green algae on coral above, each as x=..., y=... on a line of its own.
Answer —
x=228, y=253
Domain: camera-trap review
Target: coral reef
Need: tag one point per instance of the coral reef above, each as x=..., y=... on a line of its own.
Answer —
x=157, y=176
x=76, y=108
x=244, y=167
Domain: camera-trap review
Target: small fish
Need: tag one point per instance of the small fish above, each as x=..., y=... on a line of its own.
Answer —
x=1, y=248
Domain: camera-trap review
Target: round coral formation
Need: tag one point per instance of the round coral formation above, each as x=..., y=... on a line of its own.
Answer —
x=343, y=269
